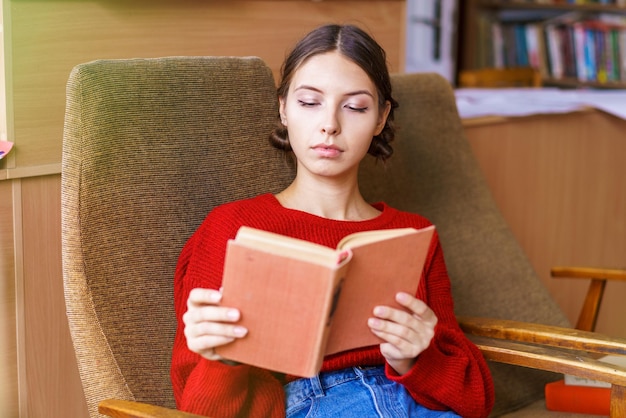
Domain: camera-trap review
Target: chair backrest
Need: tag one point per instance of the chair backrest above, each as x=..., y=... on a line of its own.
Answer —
x=151, y=145
x=434, y=172
x=500, y=77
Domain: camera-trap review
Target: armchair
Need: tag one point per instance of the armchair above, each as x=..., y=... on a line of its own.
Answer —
x=151, y=145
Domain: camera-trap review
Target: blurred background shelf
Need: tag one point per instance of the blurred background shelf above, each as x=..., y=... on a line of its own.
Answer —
x=574, y=45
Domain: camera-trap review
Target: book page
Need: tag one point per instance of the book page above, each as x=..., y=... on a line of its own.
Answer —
x=366, y=237
x=273, y=243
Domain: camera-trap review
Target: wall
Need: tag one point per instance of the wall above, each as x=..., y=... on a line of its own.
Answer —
x=43, y=41
x=559, y=182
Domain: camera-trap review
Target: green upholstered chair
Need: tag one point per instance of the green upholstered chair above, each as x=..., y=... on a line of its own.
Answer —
x=152, y=145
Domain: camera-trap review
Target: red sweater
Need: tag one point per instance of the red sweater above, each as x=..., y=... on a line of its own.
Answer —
x=451, y=374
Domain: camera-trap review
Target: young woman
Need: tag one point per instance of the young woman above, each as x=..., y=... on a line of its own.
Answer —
x=335, y=108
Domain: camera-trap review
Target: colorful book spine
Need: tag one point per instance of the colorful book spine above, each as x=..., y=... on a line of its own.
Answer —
x=587, y=48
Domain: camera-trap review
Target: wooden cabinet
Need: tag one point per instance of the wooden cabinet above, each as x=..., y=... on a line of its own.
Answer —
x=573, y=45
x=559, y=181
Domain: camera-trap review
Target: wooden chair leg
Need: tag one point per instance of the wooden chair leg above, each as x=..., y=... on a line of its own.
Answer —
x=618, y=402
x=589, y=313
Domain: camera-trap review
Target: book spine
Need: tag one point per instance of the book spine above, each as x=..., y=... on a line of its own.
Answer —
x=330, y=310
x=579, y=46
x=532, y=45
x=600, y=56
x=578, y=399
x=521, y=59
x=554, y=51
x=622, y=53
x=590, y=55
x=615, y=55
x=498, y=47
x=569, y=55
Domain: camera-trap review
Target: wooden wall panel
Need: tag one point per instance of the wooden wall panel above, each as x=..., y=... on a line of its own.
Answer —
x=560, y=183
x=49, y=38
x=8, y=337
x=53, y=386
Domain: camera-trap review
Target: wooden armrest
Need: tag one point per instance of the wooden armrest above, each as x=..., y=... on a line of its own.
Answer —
x=568, y=338
x=543, y=347
x=549, y=359
x=588, y=273
x=118, y=408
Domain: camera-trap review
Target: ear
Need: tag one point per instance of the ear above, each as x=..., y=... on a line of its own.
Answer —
x=384, y=113
x=281, y=109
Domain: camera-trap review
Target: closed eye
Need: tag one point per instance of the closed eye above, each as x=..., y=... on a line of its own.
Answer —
x=357, y=109
x=306, y=104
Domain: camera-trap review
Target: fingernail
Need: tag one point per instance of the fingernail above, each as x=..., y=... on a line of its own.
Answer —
x=373, y=322
x=379, y=310
x=240, y=331
x=402, y=297
x=232, y=314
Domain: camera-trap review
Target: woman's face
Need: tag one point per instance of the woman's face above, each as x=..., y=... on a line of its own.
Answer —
x=332, y=113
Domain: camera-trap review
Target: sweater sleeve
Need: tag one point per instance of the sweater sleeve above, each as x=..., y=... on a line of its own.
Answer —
x=451, y=373
x=207, y=387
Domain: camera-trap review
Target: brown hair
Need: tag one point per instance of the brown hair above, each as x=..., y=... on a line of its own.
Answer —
x=359, y=47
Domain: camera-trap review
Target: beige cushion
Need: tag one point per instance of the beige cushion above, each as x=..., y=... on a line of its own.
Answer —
x=150, y=146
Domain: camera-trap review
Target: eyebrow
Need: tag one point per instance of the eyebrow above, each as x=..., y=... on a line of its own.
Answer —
x=352, y=93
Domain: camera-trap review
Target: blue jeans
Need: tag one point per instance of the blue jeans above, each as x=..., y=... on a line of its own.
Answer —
x=358, y=392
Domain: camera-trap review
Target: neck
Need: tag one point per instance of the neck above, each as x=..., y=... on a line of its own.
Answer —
x=331, y=201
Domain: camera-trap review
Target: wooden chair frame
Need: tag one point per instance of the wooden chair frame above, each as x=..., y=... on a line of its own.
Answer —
x=535, y=346
x=599, y=276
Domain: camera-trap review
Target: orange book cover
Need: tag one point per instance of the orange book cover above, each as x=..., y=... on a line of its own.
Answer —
x=578, y=399
x=301, y=301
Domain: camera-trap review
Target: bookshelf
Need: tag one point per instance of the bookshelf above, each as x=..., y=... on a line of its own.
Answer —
x=573, y=43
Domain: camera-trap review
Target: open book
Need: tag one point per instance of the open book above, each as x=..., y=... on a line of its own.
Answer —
x=301, y=301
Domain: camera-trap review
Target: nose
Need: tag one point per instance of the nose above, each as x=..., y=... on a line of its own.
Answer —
x=330, y=124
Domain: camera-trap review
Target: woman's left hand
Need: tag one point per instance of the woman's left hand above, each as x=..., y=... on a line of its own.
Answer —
x=407, y=334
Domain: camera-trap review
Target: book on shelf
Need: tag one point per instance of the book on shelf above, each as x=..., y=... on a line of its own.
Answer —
x=587, y=47
x=577, y=399
x=301, y=301
x=582, y=395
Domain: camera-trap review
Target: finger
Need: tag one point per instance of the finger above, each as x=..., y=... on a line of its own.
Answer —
x=399, y=327
x=203, y=337
x=398, y=316
x=399, y=347
x=205, y=345
x=391, y=351
x=214, y=329
x=199, y=297
x=211, y=313
x=393, y=332
x=416, y=306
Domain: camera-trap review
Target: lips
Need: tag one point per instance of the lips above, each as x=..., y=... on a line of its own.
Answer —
x=327, y=150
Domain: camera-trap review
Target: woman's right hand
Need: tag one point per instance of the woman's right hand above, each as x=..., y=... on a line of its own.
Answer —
x=208, y=325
